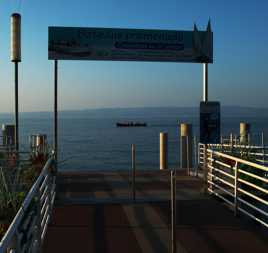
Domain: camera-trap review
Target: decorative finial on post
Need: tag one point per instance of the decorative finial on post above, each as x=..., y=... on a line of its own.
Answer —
x=209, y=26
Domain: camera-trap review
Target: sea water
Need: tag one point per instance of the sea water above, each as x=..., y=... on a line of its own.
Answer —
x=90, y=140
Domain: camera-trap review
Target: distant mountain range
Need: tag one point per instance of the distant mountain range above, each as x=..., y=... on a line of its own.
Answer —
x=226, y=111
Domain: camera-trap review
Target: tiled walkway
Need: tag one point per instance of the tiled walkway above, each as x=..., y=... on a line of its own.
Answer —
x=203, y=223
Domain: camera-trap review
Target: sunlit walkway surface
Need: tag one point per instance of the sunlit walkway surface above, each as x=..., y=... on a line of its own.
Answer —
x=95, y=213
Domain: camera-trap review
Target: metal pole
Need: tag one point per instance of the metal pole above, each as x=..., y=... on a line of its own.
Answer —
x=186, y=148
x=133, y=152
x=235, y=139
x=205, y=82
x=16, y=107
x=236, y=190
x=173, y=211
x=56, y=112
x=195, y=157
x=187, y=155
x=180, y=162
x=231, y=143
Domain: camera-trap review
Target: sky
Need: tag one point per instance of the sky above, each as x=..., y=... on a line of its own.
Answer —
x=238, y=75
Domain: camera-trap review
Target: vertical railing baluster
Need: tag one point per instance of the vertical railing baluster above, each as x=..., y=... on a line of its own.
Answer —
x=195, y=156
x=236, y=190
x=50, y=193
x=231, y=143
x=14, y=247
x=198, y=154
x=205, y=171
x=187, y=156
x=38, y=221
x=211, y=171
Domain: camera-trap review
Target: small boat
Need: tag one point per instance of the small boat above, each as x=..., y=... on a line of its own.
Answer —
x=131, y=124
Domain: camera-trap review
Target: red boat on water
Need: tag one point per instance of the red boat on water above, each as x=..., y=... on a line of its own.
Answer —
x=131, y=124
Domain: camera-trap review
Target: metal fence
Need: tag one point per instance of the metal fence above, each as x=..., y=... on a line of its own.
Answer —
x=258, y=154
x=241, y=183
x=28, y=229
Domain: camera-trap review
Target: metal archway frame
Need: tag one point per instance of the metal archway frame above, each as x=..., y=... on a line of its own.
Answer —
x=74, y=43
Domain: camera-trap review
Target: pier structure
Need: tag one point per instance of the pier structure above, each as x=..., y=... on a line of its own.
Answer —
x=95, y=211
x=146, y=210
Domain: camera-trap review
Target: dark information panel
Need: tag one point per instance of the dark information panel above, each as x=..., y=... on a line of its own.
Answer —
x=210, y=122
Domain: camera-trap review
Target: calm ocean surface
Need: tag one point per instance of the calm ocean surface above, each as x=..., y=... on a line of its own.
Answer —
x=90, y=140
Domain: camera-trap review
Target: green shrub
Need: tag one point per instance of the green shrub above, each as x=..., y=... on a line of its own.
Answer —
x=14, y=185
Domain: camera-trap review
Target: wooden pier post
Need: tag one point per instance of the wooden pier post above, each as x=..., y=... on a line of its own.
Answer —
x=244, y=133
x=186, y=148
x=163, y=151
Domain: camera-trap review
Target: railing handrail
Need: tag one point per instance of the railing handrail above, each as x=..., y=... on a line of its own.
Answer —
x=236, y=146
x=239, y=160
x=225, y=177
x=7, y=239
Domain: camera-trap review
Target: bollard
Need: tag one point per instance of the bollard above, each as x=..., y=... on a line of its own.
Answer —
x=163, y=156
x=8, y=132
x=186, y=149
x=244, y=133
x=173, y=210
x=133, y=155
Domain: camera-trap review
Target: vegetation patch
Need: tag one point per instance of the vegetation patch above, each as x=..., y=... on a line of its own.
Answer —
x=15, y=182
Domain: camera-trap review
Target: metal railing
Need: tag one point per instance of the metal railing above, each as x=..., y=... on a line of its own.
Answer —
x=258, y=153
x=27, y=231
x=241, y=183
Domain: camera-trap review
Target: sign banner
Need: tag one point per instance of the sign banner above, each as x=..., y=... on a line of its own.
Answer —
x=74, y=43
x=210, y=122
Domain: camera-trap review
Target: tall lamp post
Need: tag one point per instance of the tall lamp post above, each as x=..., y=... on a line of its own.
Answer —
x=15, y=57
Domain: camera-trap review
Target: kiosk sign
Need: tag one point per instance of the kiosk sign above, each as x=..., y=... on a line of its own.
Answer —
x=74, y=43
x=210, y=122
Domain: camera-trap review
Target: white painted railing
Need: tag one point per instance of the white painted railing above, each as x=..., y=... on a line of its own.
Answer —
x=240, y=183
x=28, y=229
x=259, y=153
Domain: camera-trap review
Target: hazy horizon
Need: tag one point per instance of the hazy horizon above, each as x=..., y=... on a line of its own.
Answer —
x=223, y=107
